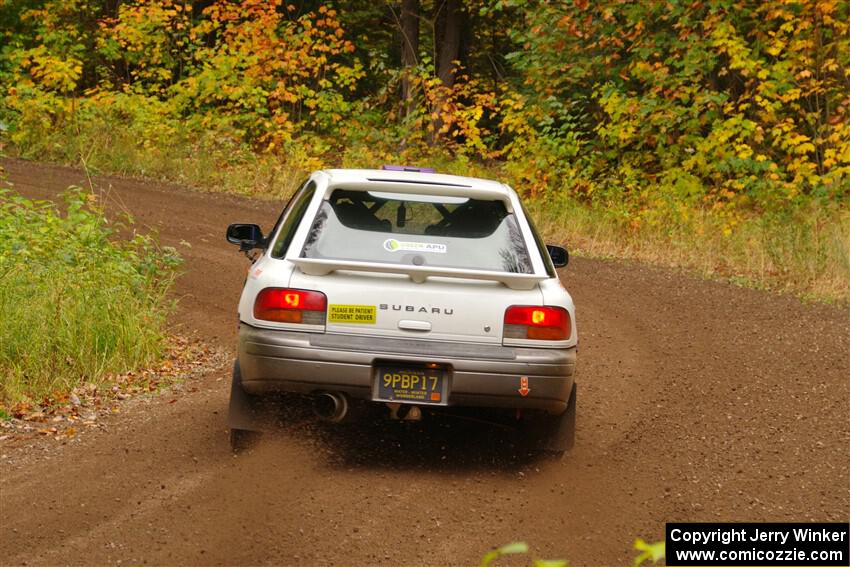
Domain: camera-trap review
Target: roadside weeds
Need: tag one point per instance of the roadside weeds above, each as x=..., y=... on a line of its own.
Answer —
x=63, y=416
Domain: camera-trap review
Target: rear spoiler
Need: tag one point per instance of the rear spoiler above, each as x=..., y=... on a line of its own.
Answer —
x=419, y=274
x=389, y=185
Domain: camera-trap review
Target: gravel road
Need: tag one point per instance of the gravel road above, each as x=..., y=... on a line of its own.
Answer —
x=698, y=401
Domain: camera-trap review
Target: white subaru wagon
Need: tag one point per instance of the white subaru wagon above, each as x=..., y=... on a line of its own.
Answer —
x=410, y=290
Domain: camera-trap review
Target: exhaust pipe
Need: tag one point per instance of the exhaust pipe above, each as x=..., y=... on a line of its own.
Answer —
x=331, y=406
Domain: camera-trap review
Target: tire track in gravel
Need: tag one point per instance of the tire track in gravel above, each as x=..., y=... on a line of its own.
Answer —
x=697, y=401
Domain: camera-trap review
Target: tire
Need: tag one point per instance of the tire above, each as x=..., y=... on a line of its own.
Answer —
x=242, y=439
x=556, y=434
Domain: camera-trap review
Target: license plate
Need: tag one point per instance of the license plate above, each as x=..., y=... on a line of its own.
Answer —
x=410, y=385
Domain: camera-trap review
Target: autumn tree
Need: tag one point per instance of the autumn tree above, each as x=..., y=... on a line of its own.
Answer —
x=409, y=25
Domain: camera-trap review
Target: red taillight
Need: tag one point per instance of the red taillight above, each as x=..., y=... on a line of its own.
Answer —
x=537, y=322
x=291, y=306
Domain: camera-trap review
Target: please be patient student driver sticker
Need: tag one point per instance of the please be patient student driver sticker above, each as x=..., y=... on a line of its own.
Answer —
x=358, y=314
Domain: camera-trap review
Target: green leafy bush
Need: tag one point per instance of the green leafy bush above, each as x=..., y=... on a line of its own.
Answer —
x=648, y=551
x=78, y=299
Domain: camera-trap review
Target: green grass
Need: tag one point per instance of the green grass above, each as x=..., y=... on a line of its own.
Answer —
x=801, y=251
x=77, y=300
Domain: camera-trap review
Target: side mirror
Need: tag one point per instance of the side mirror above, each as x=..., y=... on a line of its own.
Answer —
x=560, y=256
x=246, y=236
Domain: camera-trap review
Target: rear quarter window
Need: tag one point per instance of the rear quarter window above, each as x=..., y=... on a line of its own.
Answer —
x=292, y=218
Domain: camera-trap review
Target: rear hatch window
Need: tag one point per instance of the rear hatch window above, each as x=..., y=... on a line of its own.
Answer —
x=420, y=230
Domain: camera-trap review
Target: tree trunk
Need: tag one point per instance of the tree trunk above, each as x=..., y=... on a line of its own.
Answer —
x=409, y=49
x=449, y=21
x=450, y=24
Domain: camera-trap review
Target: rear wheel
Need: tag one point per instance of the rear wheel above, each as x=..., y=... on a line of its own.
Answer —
x=242, y=439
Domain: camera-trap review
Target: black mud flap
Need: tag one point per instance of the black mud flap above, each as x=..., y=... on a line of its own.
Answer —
x=561, y=436
x=246, y=412
x=552, y=435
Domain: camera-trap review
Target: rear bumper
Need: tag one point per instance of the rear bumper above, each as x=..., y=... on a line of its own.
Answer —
x=479, y=375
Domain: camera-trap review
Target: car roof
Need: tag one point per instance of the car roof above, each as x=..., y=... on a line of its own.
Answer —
x=362, y=177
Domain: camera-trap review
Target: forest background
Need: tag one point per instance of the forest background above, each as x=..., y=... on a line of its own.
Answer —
x=711, y=135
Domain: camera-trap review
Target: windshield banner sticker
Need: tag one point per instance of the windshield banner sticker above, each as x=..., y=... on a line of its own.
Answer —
x=393, y=245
